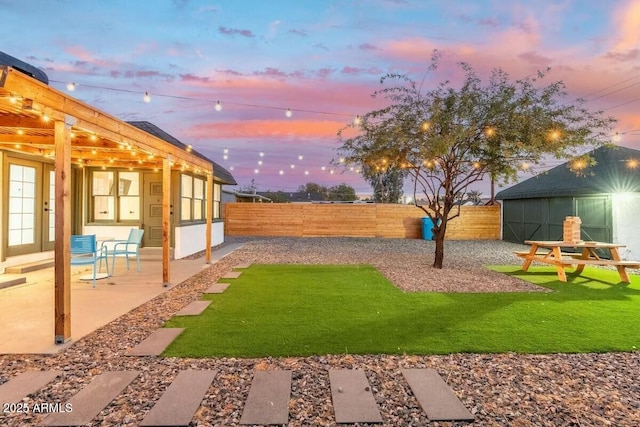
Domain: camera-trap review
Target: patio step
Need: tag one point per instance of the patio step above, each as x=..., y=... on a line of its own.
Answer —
x=155, y=343
x=29, y=267
x=435, y=396
x=24, y=384
x=195, y=308
x=268, y=401
x=353, y=401
x=231, y=275
x=92, y=399
x=6, y=282
x=217, y=288
x=181, y=400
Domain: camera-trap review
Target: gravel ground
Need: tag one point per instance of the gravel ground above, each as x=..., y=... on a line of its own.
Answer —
x=500, y=389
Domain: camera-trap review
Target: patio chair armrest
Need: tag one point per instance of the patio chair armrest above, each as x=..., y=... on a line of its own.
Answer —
x=126, y=245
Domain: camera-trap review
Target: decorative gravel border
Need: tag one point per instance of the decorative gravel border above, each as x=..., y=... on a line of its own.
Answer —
x=500, y=389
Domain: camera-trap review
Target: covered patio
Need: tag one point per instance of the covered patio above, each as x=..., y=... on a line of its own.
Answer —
x=41, y=123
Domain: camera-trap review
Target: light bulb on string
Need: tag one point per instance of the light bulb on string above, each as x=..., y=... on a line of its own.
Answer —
x=146, y=98
x=218, y=106
x=281, y=172
x=357, y=120
x=226, y=150
x=71, y=87
x=256, y=171
x=293, y=166
x=288, y=113
x=300, y=156
x=261, y=154
x=306, y=172
x=260, y=162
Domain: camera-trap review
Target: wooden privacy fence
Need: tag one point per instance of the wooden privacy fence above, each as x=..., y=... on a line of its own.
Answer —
x=352, y=220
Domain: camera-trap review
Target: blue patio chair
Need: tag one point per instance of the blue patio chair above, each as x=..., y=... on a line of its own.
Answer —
x=131, y=246
x=84, y=251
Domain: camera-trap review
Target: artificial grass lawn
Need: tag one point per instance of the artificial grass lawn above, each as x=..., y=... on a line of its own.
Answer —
x=301, y=310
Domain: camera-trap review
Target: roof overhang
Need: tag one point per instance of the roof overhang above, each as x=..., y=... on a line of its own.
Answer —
x=28, y=109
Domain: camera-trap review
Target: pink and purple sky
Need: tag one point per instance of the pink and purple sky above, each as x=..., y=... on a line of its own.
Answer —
x=321, y=59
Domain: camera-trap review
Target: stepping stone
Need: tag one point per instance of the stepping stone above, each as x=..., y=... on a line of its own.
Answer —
x=217, y=288
x=268, y=401
x=353, y=401
x=155, y=343
x=181, y=400
x=24, y=384
x=231, y=275
x=436, y=398
x=245, y=265
x=193, y=309
x=92, y=399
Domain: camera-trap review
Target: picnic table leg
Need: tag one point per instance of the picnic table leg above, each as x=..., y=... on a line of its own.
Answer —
x=529, y=257
x=622, y=271
x=586, y=254
x=557, y=254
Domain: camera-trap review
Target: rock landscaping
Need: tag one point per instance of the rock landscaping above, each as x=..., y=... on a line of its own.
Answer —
x=499, y=389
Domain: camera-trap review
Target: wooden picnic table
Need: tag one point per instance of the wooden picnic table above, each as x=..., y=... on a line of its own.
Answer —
x=550, y=252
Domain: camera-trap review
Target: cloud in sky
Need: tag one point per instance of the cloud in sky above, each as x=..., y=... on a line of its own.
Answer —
x=234, y=31
x=314, y=56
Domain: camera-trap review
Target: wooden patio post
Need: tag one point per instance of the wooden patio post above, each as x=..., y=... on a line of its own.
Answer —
x=166, y=219
x=209, y=216
x=62, y=290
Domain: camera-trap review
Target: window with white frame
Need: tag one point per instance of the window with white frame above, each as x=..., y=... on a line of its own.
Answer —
x=115, y=203
x=192, y=198
x=217, y=193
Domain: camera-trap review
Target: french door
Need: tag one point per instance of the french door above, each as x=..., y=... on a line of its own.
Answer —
x=30, y=202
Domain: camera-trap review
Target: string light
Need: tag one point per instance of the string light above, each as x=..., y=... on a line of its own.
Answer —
x=357, y=120
x=146, y=98
x=288, y=113
x=71, y=87
x=218, y=106
x=281, y=172
x=225, y=150
x=293, y=166
x=260, y=162
x=300, y=156
x=262, y=154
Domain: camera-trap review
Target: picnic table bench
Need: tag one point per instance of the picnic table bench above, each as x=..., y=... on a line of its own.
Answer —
x=550, y=252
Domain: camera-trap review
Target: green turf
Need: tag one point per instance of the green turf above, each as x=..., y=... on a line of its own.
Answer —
x=300, y=310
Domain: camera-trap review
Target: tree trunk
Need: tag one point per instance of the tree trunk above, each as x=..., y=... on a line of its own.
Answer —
x=439, y=238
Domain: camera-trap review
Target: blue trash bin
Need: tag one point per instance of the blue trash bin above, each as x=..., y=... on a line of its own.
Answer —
x=427, y=228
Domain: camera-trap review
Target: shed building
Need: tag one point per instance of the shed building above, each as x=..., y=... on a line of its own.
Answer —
x=606, y=197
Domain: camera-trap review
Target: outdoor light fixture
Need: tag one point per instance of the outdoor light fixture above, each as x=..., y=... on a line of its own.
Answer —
x=261, y=154
x=357, y=120
x=71, y=87
x=260, y=162
x=189, y=147
x=218, y=106
x=300, y=157
x=281, y=172
x=256, y=171
x=293, y=166
x=147, y=97
x=306, y=172
x=226, y=150
x=288, y=113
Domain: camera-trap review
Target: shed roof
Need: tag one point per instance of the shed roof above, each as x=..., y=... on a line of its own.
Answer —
x=611, y=174
x=219, y=172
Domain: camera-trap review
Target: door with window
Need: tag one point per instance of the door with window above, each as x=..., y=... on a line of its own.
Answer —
x=30, y=202
x=152, y=218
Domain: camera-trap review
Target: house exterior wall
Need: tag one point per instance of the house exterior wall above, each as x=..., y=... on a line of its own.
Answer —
x=625, y=224
x=192, y=238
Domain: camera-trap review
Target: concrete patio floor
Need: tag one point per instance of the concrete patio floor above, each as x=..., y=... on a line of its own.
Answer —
x=27, y=310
